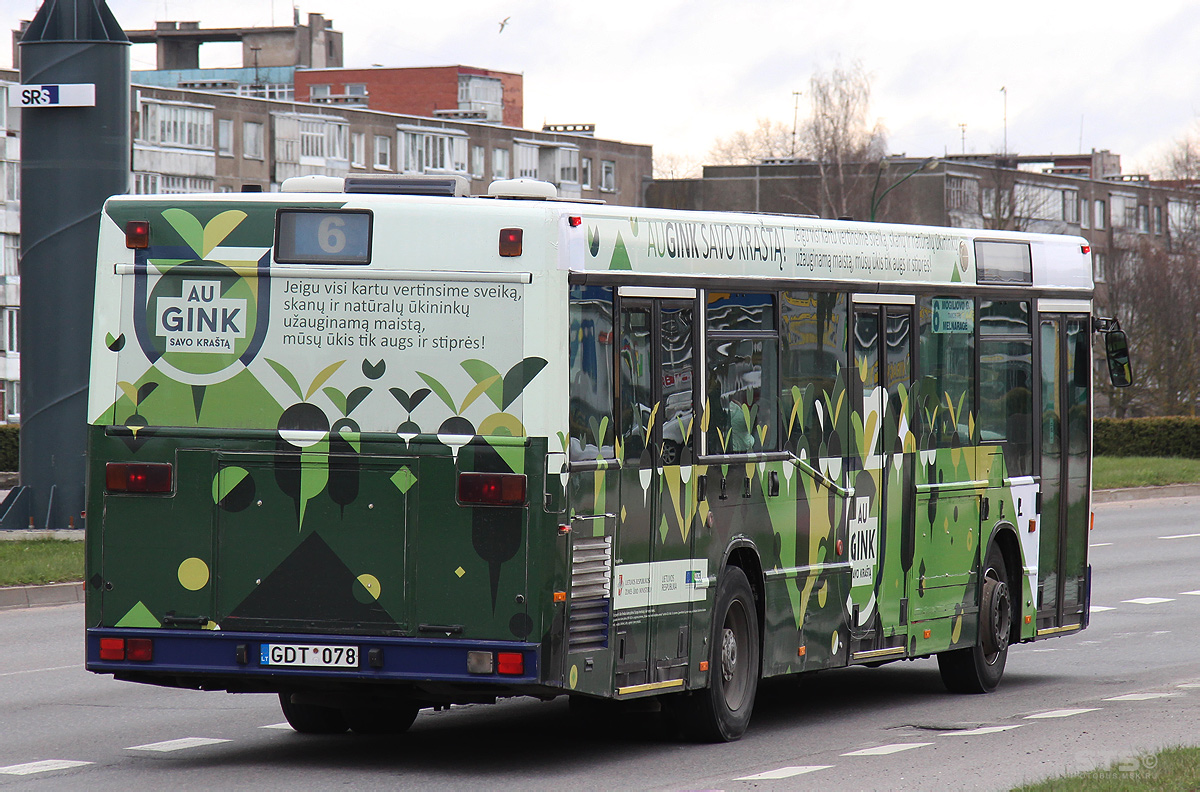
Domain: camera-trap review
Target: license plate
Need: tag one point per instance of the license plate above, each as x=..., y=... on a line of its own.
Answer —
x=309, y=656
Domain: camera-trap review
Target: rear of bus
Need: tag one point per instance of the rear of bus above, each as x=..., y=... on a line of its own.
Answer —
x=318, y=447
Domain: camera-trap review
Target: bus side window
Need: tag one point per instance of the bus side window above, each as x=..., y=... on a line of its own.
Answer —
x=591, y=365
x=945, y=398
x=742, y=360
x=1006, y=381
x=813, y=334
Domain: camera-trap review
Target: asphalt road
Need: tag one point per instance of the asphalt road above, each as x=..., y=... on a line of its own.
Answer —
x=1127, y=685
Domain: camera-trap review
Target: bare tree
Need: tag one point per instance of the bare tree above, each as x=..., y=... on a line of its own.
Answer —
x=768, y=139
x=1182, y=159
x=675, y=166
x=839, y=137
x=1009, y=200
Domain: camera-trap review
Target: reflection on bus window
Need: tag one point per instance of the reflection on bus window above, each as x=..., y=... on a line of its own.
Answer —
x=742, y=383
x=677, y=366
x=813, y=330
x=636, y=394
x=945, y=401
x=591, y=362
x=1006, y=381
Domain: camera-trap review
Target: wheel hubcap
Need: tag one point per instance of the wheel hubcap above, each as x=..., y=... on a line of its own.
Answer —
x=729, y=653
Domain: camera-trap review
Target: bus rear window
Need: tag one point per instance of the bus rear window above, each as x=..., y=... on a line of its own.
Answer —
x=308, y=236
x=1003, y=262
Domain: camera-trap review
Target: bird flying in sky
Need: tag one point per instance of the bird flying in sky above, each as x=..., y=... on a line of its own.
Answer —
x=503, y=24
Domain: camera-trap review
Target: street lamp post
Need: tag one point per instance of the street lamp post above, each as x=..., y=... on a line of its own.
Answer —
x=926, y=165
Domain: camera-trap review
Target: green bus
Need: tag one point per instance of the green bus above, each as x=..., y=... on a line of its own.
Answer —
x=375, y=445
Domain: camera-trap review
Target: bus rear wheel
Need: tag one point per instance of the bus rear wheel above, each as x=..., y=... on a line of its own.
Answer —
x=312, y=718
x=979, y=668
x=721, y=712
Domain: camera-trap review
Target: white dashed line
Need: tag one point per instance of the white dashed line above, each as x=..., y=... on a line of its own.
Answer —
x=53, y=668
x=1138, y=697
x=287, y=726
x=1189, y=685
x=1100, y=608
x=1191, y=593
x=1149, y=600
x=981, y=730
x=1062, y=713
x=884, y=750
x=1181, y=536
x=1101, y=544
x=783, y=772
x=176, y=745
x=44, y=766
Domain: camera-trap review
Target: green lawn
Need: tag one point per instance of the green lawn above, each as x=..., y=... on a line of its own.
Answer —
x=1115, y=472
x=40, y=561
x=1172, y=769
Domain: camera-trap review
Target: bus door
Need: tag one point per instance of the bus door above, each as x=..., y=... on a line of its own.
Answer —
x=880, y=531
x=1065, y=414
x=652, y=604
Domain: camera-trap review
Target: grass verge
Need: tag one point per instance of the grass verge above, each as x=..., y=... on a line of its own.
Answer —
x=1115, y=472
x=1171, y=769
x=37, y=561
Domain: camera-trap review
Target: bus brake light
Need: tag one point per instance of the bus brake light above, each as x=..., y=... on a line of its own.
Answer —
x=112, y=648
x=510, y=242
x=137, y=477
x=510, y=663
x=137, y=234
x=139, y=649
x=491, y=489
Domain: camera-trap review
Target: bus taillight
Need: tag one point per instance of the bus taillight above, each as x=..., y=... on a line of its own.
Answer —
x=137, y=234
x=510, y=663
x=137, y=477
x=510, y=242
x=491, y=489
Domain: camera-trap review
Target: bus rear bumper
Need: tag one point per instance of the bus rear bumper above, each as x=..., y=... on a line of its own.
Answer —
x=221, y=660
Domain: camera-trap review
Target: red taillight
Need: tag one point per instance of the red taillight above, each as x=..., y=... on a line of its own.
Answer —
x=510, y=242
x=574, y=221
x=510, y=663
x=140, y=649
x=491, y=489
x=137, y=234
x=112, y=648
x=1085, y=248
x=137, y=477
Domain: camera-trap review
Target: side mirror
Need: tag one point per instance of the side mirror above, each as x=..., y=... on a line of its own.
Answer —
x=1116, y=349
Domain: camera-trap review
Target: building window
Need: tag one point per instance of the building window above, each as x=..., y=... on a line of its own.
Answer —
x=608, y=176
x=318, y=91
x=1158, y=220
x=225, y=137
x=1070, y=206
x=527, y=161
x=568, y=166
x=1098, y=267
x=1085, y=213
x=585, y=173
x=356, y=89
x=425, y=152
x=500, y=163
x=358, y=149
x=383, y=152
x=1143, y=219
x=1101, y=209
x=177, y=125
x=962, y=195
x=481, y=93
x=145, y=183
x=11, y=252
x=252, y=140
x=477, y=162
x=10, y=394
x=12, y=330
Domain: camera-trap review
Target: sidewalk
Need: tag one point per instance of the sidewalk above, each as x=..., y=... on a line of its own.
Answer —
x=68, y=593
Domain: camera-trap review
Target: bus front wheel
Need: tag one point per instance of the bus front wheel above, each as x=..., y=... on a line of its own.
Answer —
x=721, y=712
x=978, y=669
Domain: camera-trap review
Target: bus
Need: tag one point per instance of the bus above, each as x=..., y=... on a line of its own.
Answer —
x=375, y=445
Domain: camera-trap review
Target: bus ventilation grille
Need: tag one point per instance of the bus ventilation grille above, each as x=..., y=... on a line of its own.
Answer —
x=591, y=593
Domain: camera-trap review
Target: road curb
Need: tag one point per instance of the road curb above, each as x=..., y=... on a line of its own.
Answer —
x=1145, y=493
x=34, y=596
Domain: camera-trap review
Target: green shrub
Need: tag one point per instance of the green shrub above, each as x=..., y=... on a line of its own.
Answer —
x=10, y=446
x=1148, y=437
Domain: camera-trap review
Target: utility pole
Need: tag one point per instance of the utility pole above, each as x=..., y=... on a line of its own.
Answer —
x=1004, y=90
x=795, y=119
x=963, y=127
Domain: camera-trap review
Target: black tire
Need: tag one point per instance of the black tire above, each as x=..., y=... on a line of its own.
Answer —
x=978, y=669
x=311, y=718
x=392, y=719
x=721, y=712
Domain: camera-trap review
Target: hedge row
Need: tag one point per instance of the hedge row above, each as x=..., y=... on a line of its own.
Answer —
x=10, y=446
x=1148, y=437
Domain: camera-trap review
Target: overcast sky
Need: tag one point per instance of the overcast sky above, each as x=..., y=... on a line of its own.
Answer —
x=678, y=74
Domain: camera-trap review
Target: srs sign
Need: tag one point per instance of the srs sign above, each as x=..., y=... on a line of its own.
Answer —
x=62, y=95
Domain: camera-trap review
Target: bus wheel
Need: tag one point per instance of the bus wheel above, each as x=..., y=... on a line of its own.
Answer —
x=979, y=668
x=311, y=718
x=394, y=719
x=721, y=712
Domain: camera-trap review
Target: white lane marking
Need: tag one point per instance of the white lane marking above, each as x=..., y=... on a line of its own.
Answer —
x=1193, y=593
x=1101, y=544
x=39, y=670
x=1138, y=697
x=284, y=725
x=1062, y=713
x=1100, y=608
x=1189, y=685
x=884, y=750
x=176, y=745
x=981, y=730
x=1149, y=600
x=1180, y=536
x=783, y=772
x=44, y=766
